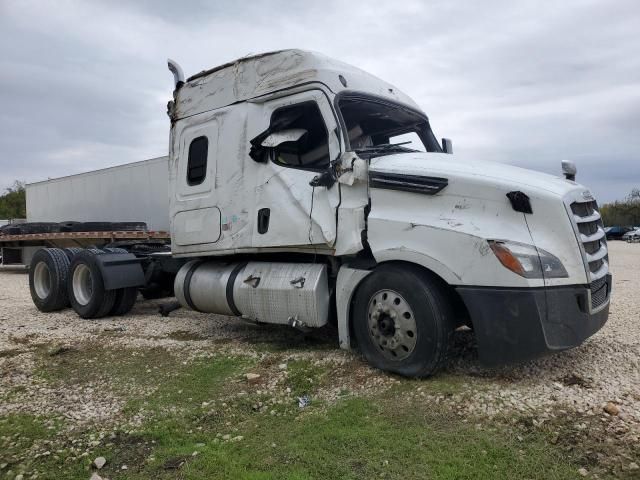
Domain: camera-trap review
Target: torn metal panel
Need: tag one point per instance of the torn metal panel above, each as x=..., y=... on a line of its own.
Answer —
x=299, y=215
x=354, y=199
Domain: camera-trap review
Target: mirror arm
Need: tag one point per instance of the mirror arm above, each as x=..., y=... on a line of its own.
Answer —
x=257, y=151
x=327, y=178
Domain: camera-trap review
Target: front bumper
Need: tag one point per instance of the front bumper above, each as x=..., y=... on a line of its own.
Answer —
x=514, y=325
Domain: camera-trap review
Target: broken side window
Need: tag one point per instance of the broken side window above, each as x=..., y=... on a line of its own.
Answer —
x=309, y=151
x=197, y=163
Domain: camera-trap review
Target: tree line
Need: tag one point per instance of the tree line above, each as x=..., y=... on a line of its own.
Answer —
x=13, y=203
x=622, y=213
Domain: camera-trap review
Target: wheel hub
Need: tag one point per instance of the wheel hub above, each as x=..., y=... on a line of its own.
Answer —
x=386, y=325
x=392, y=326
x=82, y=284
x=42, y=280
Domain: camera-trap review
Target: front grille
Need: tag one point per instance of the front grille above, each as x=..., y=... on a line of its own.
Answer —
x=584, y=209
x=588, y=228
x=591, y=233
x=591, y=247
x=595, y=265
x=599, y=292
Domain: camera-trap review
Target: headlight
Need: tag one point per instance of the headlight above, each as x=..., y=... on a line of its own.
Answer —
x=527, y=260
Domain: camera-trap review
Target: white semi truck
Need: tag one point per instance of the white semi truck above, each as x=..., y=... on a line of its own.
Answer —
x=305, y=191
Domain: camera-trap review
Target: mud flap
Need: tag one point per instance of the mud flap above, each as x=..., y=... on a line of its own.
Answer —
x=120, y=270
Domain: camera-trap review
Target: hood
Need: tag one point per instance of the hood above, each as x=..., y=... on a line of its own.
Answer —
x=455, y=168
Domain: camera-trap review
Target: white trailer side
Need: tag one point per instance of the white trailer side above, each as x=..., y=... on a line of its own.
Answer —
x=134, y=192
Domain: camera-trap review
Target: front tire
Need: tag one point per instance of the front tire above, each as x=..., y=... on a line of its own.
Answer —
x=403, y=320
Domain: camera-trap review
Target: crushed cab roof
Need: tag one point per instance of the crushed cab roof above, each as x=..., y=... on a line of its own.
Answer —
x=254, y=76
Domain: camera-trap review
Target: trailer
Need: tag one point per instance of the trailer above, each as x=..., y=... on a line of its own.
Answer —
x=103, y=207
x=133, y=192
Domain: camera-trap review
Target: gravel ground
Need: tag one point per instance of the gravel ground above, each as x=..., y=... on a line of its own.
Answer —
x=580, y=382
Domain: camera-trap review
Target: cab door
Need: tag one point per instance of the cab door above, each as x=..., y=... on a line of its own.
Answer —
x=289, y=211
x=195, y=217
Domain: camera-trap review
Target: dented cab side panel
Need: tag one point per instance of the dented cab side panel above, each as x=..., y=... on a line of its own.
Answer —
x=211, y=215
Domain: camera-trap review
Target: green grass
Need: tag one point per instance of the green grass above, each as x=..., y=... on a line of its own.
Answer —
x=18, y=432
x=188, y=406
x=304, y=377
x=358, y=438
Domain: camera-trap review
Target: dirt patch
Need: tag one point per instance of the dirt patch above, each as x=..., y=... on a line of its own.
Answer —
x=573, y=379
x=185, y=336
x=175, y=463
x=10, y=353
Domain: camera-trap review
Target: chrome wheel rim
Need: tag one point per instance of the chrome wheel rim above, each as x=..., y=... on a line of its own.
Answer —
x=42, y=280
x=392, y=325
x=82, y=284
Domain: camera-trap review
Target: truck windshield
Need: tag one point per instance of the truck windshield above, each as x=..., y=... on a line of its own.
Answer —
x=378, y=127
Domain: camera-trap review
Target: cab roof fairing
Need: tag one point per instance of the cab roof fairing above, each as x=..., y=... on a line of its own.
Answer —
x=251, y=77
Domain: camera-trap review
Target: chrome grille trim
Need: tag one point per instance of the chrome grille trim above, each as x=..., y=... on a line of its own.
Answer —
x=591, y=218
x=592, y=238
x=590, y=230
x=599, y=255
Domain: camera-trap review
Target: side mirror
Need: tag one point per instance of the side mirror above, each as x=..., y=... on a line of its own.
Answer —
x=283, y=136
x=447, y=146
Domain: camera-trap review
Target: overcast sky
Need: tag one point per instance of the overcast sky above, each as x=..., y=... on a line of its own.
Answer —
x=84, y=84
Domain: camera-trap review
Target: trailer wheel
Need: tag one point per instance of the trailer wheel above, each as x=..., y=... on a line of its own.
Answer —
x=48, y=274
x=87, y=294
x=125, y=297
x=72, y=252
x=403, y=321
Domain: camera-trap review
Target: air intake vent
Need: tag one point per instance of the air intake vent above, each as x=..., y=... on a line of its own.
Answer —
x=599, y=292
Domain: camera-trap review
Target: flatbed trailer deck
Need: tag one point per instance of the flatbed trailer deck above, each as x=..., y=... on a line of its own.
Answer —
x=18, y=249
x=77, y=239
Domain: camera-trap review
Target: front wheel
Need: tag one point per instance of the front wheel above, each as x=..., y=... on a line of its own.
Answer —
x=403, y=320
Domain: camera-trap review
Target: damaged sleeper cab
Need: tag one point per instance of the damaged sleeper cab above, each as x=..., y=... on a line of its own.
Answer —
x=306, y=191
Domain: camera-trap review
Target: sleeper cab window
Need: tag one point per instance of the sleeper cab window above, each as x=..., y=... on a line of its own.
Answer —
x=197, y=163
x=311, y=151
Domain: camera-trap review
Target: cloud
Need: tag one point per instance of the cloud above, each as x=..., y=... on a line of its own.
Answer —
x=84, y=85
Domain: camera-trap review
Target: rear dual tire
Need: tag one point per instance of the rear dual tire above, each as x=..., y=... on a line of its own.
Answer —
x=87, y=294
x=48, y=279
